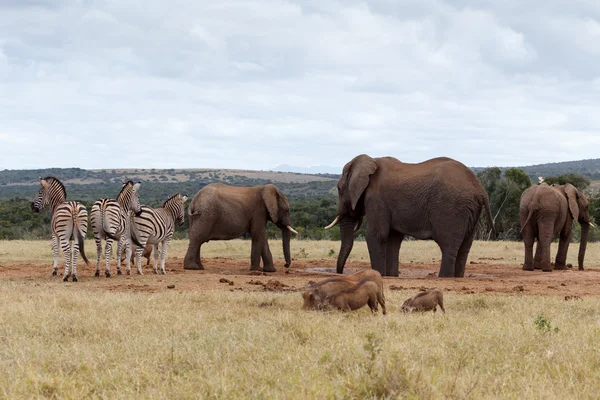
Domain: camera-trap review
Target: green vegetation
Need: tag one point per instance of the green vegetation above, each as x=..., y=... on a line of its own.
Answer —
x=579, y=181
x=313, y=203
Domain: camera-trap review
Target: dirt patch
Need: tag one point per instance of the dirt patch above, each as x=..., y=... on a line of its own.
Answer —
x=234, y=274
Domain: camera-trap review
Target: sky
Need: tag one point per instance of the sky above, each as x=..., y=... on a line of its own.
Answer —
x=252, y=84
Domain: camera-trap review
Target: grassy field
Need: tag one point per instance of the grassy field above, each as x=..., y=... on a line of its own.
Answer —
x=61, y=341
x=66, y=340
x=418, y=252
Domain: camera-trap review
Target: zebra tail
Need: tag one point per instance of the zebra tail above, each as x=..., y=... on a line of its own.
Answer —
x=81, y=240
x=80, y=236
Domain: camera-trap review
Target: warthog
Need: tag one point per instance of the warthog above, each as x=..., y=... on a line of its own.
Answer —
x=317, y=291
x=364, y=292
x=425, y=301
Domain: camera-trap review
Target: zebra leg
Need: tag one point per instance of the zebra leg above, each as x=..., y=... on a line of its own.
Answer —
x=55, y=254
x=127, y=256
x=66, y=248
x=108, y=251
x=138, y=259
x=98, y=241
x=155, y=258
x=74, y=254
x=122, y=241
x=163, y=254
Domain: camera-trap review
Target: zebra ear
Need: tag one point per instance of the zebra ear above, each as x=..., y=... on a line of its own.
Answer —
x=44, y=182
x=184, y=199
x=136, y=187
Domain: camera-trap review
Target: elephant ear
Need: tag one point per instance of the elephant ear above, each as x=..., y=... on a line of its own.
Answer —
x=270, y=197
x=572, y=194
x=356, y=175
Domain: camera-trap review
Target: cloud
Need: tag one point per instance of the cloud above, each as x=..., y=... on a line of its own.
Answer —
x=253, y=84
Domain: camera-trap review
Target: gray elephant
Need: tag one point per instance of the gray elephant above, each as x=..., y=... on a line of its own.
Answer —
x=546, y=212
x=439, y=199
x=222, y=212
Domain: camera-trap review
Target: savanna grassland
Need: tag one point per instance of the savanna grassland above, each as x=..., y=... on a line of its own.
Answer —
x=227, y=333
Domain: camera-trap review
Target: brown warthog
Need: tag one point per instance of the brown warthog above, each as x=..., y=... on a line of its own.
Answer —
x=425, y=301
x=364, y=292
x=317, y=291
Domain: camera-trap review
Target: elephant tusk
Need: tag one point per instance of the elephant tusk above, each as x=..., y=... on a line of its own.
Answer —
x=592, y=225
x=359, y=225
x=292, y=230
x=334, y=223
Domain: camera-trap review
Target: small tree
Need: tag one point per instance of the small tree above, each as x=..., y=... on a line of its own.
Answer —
x=504, y=192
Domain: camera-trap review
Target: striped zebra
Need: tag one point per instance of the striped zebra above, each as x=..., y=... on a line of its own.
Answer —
x=69, y=222
x=156, y=225
x=110, y=221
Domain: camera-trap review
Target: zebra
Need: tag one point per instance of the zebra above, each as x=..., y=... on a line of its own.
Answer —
x=110, y=221
x=156, y=225
x=69, y=222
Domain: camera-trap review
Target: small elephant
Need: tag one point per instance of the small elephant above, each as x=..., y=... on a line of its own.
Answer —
x=546, y=212
x=425, y=301
x=316, y=292
x=364, y=292
x=222, y=212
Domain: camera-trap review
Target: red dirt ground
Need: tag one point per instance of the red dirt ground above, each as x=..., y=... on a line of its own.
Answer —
x=234, y=274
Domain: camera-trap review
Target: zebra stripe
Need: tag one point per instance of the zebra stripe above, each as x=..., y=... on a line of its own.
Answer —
x=69, y=222
x=156, y=225
x=110, y=221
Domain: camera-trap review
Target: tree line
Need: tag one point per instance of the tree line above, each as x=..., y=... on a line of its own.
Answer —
x=312, y=205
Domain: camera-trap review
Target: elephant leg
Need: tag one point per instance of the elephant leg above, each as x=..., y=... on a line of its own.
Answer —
x=528, y=241
x=392, y=253
x=463, y=253
x=563, y=247
x=258, y=243
x=537, y=260
x=377, y=253
x=543, y=247
x=448, y=262
x=199, y=234
x=267, y=258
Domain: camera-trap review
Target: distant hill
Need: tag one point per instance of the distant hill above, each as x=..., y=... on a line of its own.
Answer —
x=589, y=168
x=157, y=184
x=315, y=170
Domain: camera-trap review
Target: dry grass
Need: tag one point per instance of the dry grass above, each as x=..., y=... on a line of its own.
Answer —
x=66, y=340
x=59, y=341
x=418, y=252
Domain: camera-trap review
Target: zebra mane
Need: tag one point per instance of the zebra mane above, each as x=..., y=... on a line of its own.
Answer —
x=170, y=198
x=52, y=180
x=126, y=184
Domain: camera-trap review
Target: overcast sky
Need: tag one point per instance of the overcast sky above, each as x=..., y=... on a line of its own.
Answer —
x=254, y=84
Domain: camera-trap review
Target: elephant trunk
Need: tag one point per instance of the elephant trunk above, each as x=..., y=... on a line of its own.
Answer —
x=286, y=236
x=585, y=230
x=347, y=226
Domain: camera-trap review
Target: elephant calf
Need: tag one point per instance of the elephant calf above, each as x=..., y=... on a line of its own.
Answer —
x=316, y=293
x=357, y=296
x=425, y=301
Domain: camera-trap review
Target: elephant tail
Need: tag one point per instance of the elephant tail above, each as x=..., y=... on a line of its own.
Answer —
x=488, y=213
x=524, y=224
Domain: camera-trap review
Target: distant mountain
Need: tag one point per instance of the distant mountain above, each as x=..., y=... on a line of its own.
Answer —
x=318, y=169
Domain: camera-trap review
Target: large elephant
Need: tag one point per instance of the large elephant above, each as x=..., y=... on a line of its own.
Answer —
x=222, y=212
x=438, y=199
x=547, y=211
